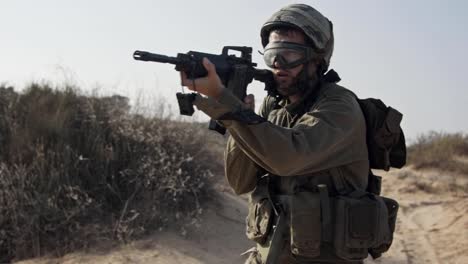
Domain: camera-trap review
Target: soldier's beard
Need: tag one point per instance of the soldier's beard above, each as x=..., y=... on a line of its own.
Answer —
x=290, y=88
x=299, y=85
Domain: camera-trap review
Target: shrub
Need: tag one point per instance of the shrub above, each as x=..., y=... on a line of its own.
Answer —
x=78, y=169
x=440, y=151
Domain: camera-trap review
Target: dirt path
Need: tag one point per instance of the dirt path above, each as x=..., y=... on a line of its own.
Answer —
x=432, y=224
x=417, y=245
x=432, y=227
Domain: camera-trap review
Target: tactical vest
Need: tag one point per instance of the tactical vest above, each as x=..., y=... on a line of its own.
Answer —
x=322, y=217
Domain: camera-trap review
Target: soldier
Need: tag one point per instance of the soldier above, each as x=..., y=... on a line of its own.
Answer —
x=307, y=143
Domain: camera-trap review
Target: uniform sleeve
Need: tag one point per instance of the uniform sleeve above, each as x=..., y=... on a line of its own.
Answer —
x=241, y=172
x=331, y=135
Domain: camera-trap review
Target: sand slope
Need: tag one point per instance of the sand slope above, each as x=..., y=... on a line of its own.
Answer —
x=220, y=240
x=432, y=227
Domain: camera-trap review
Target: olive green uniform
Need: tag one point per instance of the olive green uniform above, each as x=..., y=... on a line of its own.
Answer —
x=300, y=140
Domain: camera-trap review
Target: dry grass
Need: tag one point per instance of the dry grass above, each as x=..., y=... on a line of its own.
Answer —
x=442, y=151
x=76, y=170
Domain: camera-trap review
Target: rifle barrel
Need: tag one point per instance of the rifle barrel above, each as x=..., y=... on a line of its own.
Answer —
x=148, y=56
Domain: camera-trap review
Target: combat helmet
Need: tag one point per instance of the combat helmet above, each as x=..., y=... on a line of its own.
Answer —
x=315, y=26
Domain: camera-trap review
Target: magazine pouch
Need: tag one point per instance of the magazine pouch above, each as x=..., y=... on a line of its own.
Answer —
x=305, y=224
x=386, y=236
x=361, y=224
x=259, y=218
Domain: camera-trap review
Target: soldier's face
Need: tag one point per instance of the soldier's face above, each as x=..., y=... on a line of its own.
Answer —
x=286, y=78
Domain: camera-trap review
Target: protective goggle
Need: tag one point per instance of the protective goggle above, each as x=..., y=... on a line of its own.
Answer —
x=287, y=54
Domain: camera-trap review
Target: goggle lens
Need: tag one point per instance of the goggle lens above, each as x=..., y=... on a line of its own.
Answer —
x=287, y=55
x=283, y=57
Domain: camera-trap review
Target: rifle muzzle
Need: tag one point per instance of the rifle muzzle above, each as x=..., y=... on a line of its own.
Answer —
x=148, y=56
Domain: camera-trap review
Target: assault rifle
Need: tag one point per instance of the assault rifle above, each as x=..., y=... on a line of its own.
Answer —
x=235, y=72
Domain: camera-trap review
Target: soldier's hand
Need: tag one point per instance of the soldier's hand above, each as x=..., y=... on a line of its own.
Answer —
x=249, y=100
x=209, y=85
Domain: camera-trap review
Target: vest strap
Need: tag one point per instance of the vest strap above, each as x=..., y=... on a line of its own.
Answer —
x=339, y=181
x=325, y=212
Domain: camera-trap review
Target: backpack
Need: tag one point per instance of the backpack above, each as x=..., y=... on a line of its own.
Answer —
x=385, y=138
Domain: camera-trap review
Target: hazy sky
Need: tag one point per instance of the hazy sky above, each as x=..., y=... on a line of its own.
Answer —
x=410, y=54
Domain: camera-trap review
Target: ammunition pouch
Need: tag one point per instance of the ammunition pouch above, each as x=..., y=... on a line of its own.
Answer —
x=364, y=223
x=305, y=224
x=392, y=210
x=260, y=216
x=355, y=225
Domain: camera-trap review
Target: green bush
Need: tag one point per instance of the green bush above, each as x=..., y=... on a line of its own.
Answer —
x=76, y=170
x=448, y=152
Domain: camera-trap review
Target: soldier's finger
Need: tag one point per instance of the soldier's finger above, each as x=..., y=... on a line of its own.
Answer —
x=184, y=81
x=209, y=66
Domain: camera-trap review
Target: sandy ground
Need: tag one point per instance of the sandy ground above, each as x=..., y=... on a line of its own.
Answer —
x=432, y=222
x=432, y=227
x=220, y=240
